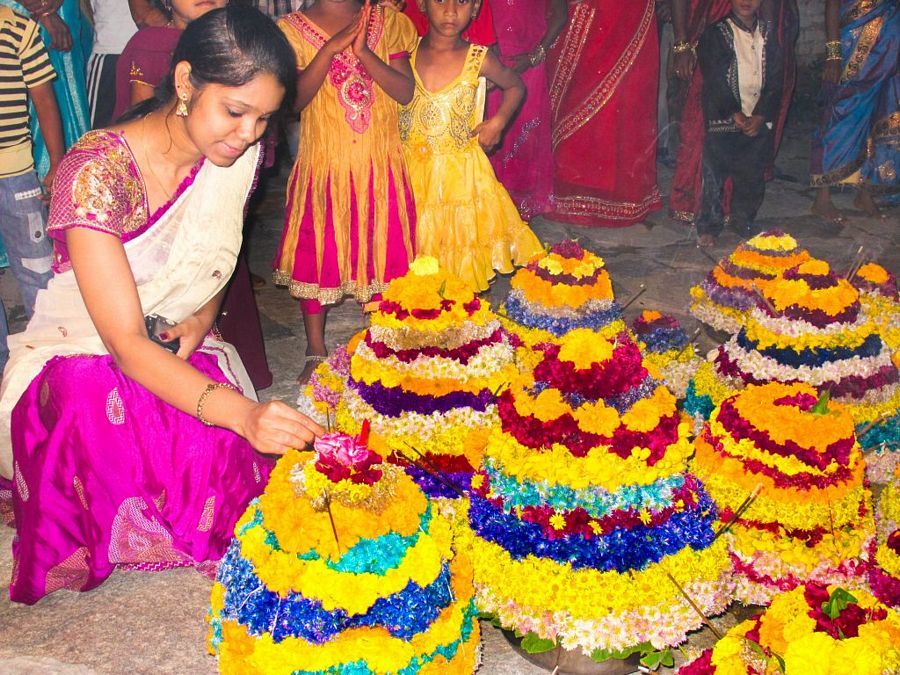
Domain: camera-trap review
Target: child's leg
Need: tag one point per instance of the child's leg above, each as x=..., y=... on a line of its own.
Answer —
x=748, y=170
x=314, y=315
x=24, y=233
x=711, y=219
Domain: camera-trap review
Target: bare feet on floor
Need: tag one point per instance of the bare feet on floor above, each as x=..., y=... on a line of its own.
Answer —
x=309, y=366
x=706, y=241
x=866, y=204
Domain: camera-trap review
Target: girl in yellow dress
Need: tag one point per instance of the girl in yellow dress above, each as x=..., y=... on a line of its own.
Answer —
x=349, y=225
x=466, y=218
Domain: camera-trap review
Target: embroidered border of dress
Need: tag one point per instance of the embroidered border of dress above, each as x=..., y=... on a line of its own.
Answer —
x=328, y=296
x=887, y=128
x=570, y=54
x=862, y=7
x=867, y=40
x=607, y=87
x=581, y=205
x=836, y=176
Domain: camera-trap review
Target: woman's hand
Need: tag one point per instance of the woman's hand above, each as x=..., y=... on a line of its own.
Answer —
x=274, y=428
x=60, y=37
x=521, y=63
x=685, y=62
x=489, y=132
x=190, y=334
x=361, y=40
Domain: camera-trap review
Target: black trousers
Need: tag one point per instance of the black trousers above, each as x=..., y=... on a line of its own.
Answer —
x=743, y=159
x=101, y=86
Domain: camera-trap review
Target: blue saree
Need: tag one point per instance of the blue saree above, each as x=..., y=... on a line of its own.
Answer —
x=858, y=139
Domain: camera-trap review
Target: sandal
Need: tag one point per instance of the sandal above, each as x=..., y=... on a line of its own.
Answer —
x=309, y=367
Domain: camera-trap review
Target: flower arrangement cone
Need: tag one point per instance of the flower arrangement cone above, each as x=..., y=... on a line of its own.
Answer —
x=884, y=573
x=666, y=346
x=587, y=530
x=343, y=567
x=783, y=465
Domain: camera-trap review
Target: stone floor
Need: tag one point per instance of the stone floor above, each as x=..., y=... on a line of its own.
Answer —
x=154, y=623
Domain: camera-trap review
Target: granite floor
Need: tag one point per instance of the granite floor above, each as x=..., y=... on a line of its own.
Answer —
x=154, y=623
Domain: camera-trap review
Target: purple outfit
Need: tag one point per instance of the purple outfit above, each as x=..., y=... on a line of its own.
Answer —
x=146, y=59
x=524, y=162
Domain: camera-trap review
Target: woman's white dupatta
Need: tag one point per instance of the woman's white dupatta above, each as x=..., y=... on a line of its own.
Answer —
x=179, y=264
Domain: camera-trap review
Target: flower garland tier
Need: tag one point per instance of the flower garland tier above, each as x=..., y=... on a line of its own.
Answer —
x=342, y=567
x=426, y=374
x=320, y=398
x=878, y=294
x=564, y=289
x=586, y=528
x=811, y=630
x=732, y=288
x=666, y=346
x=787, y=474
x=884, y=574
x=809, y=328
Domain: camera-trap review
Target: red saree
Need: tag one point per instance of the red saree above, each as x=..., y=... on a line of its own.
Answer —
x=604, y=70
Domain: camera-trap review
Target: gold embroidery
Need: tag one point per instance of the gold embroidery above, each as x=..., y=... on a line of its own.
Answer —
x=836, y=176
x=21, y=485
x=570, y=53
x=45, y=393
x=206, y=518
x=79, y=490
x=887, y=128
x=685, y=216
x=135, y=71
x=72, y=573
x=328, y=296
x=581, y=205
x=441, y=122
x=862, y=8
x=160, y=501
x=886, y=172
x=600, y=96
x=867, y=39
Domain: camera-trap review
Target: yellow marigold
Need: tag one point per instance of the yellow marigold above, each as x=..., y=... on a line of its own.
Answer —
x=809, y=655
x=649, y=315
x=424, y=265
x=873, y=273
x=597, y=418
x=583, y=348
x=773, y=242
x=645, y=415
x=815, y=267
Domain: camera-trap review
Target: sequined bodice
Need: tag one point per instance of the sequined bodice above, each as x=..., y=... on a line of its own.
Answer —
x=442, y=121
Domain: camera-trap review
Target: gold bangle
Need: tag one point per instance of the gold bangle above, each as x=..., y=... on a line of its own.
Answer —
x=210, y=388
x=537, y=55
x=833, y=50
x=682, y=46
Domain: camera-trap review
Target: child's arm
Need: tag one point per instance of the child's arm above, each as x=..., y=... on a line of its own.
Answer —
x=490, y=130
x=51, y=128
x=395, y=78
x=714, y=57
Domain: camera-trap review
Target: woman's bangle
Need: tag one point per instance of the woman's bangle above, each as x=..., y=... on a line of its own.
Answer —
x=537, y=55
x=210, y=388
x=682, y=46
x=833, y=50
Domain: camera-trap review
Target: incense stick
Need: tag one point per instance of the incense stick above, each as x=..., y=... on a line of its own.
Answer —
x=871, y=425
x=694, y=606
x=739, y=511
x=641, y=290
x=689, y=343
x=851, y=271
x=433, y=471
x=333, y=527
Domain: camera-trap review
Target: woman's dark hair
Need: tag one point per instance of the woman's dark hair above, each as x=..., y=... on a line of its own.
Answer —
x=228, y=46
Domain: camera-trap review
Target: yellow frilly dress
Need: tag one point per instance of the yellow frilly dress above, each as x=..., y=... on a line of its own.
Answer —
x=464, y=216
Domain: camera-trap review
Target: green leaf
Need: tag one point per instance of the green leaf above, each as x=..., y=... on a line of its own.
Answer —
x=837, y=603
x=652, y=660
x=780, y=662
x=442, y=289
x=533, y=644
x=601, y=655
x=668, y=660
x=821, y=406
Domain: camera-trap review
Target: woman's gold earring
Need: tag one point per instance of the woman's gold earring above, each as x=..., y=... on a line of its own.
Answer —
x=182, y=110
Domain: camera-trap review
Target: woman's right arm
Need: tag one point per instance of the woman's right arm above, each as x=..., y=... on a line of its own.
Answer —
x=110, y=295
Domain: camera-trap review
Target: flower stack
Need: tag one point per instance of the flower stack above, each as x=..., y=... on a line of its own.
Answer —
x=784, y=468
x=809, y=328
x=878, y=294
x=810, y=630
x=884, y=574
x=732, y=288
x=666, y=346
x=321, y=396
x=342, y=567
x=586, y=527
x=426, y=374
x=564, y=289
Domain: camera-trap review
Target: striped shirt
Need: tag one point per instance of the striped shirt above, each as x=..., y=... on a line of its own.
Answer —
x=24, y=65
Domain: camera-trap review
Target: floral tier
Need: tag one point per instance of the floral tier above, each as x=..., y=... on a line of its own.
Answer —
x=584, y=522
x=732, y=288
x=785, y=470
x=884, y=574
x=809, y=329
x=810, y=630
x=425, y=375
x=342, y=567
x=320, y=398
x=564, y=289
x=666, y=346
x=878, y=295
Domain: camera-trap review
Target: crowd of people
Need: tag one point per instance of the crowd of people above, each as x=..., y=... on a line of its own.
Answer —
x=130, y=432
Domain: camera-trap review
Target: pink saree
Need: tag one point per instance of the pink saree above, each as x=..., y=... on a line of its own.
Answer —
x=104, y=473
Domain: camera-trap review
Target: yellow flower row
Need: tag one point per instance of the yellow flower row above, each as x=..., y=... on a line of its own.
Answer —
x=767, y=264
x=769, y=241
x=243, y=653
x=873, y=273
x=600, y=467
x=539, y=585
x=888, y=561
x=583, y=348
x=283, y=508
x=578, y=268
x=284, y=573
x=863, y=413
x=707, y=461
x=851, y=336
x=832, y=300
x=375, y=371
x=769, y=508
x=547, y=294
x=708, y=383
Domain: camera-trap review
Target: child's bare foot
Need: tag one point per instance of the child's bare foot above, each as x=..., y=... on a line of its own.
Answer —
x=825, y=208
x=706, y=241
x=866, y=204
x=309, y=366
